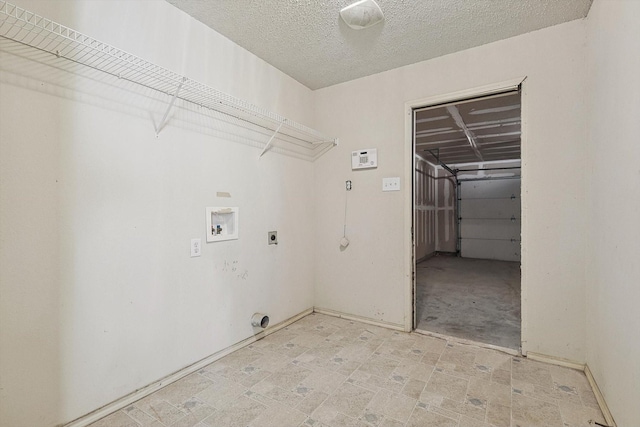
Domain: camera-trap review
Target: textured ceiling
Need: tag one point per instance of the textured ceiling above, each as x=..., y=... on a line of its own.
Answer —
x=480, y=130
x=307, y=40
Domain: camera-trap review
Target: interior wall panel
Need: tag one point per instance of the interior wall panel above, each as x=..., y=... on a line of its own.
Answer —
x=446, y=208
x=613, y=208
x=424, y=206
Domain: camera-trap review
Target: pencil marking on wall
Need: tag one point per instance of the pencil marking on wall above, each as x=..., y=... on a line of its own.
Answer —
x=233, y=267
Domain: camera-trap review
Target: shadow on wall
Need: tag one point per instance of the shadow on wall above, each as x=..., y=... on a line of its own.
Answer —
x=43, y=72
x=34, y=307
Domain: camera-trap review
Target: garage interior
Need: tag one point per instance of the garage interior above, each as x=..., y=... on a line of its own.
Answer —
x=468, y=219
x=128, y=126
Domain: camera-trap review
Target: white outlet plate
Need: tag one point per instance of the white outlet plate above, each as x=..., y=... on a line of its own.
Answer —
x=196, y=247
x=391, y=184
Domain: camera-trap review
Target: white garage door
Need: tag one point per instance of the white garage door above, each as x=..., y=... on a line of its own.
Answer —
x=489, y=213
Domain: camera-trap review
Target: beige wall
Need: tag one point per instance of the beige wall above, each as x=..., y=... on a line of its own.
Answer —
x=371, y=277
x=613, y=270
x=99, y=295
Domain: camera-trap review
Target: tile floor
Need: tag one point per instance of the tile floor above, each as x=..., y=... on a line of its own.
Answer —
x=324, y=371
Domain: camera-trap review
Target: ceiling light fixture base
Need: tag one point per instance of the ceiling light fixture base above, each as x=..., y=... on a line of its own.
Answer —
x=362, y=14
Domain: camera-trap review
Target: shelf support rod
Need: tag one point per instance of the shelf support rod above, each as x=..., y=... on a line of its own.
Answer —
x=163, y=122
x=266, y=147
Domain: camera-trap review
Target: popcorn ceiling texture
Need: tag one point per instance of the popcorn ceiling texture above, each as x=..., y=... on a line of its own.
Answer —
x=307, y=40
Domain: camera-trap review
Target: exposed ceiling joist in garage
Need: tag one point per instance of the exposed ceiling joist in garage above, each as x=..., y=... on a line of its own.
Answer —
x=480, y=130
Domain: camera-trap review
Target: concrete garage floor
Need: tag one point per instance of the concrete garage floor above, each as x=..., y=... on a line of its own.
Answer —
x=473, y=299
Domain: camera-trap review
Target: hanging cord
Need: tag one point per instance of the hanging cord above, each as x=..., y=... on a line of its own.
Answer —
x=346, y=198
x=344, y=242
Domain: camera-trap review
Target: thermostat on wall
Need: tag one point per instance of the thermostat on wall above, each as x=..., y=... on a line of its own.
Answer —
x=364, y=159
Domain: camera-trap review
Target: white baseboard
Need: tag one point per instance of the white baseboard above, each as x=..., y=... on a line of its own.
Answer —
x=506, y=350
x=153, y=387
x=334, y=313
x=599, y=397
x=552, y=360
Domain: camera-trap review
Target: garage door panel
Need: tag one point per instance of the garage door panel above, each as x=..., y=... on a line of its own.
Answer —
x=490, y=229
x=504, y=250
x=494, y=188
x=489, y=208
x=490, y=213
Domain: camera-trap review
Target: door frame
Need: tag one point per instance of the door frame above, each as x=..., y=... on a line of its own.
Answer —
x=409, y=177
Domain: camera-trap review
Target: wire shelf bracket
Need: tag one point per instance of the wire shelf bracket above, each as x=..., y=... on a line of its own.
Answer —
x=266, y=147
x=163, y=122
x=26, y=28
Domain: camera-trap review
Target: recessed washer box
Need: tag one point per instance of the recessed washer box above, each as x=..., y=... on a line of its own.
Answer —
x=364, y=159
x=222, y=223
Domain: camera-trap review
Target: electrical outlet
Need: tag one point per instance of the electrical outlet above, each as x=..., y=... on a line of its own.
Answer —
x=196, y=247
x=391, y=184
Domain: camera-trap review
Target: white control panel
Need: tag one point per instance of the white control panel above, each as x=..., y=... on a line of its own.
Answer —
x=364, y=159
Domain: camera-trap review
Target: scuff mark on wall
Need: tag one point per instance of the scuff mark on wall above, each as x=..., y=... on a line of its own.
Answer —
x=233, y=268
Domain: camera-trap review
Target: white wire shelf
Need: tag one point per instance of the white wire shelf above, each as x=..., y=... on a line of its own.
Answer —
x=29, y=29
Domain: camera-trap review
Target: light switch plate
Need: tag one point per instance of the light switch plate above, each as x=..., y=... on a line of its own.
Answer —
x=391, y=184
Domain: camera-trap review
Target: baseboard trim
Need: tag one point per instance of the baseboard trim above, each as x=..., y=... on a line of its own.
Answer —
x=599, y=397
x=580, y=367
x=356, y=318
x=552, y=360
x=506, y=350
x=426, y=257
x=127, y=400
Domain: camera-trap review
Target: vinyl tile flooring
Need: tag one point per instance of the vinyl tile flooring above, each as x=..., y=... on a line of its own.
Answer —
x=323, y=371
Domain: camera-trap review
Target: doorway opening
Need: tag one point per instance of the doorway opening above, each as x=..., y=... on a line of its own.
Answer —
x=467, y=218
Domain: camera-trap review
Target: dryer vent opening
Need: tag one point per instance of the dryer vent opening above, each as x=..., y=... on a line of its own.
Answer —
x=260, y=320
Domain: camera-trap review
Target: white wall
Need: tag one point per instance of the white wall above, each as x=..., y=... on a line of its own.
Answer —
x=99, y=295
x=613, y=270
x=369, y=278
